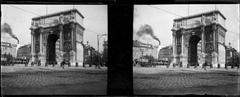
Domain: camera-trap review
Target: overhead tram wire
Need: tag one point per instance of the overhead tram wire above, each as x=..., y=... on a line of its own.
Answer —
x=24, y=10
x=89, y=30
x=238, y=18
x=46, y=9
x=234, y=32
x=188, y=14
x=46, y=13
x=215, y=7
x=188, y=9
x=165, y=11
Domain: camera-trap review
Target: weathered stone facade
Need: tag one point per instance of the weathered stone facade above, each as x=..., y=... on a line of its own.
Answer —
x=197, y=39
x=58, y=37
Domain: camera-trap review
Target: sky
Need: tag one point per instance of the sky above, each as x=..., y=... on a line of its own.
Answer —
x=19, y=18
x=160, y=18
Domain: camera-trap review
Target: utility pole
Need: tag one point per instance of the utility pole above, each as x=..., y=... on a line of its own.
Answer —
x=141, y=49
x=98, y=42
x=99, y=36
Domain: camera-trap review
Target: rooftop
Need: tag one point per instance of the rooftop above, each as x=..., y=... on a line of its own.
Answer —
x=167, y=47
x=197, y=15
x=137, y=43
x=58, y=13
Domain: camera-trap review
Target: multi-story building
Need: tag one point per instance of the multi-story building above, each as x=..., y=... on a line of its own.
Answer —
x=88, y=53
x=8, y=41
x=24, y=51
x=165, y=53
x=105, y=53
x=232, y=56
x=142, y=49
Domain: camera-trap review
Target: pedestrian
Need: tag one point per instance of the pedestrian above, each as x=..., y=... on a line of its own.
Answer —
x=97, y=62
x=84, y=64
x=39, y=63
x=62, y=64
x=205, y=65
x=32, y=63
x=181, y=64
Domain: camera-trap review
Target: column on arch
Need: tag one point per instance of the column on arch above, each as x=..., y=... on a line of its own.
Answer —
x=174, y=47
x=33, y=45
x=73, y=43
x=215, y=53
x=61, y=42
x=203, y=45
x=41, y=46
x=183, y=49
x=182, y=45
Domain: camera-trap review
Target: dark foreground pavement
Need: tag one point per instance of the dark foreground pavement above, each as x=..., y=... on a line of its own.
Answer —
x=153, y=81
x=55, y=82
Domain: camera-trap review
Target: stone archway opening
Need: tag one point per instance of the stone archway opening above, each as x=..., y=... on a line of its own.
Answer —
x=51, y=48
x=193, y=50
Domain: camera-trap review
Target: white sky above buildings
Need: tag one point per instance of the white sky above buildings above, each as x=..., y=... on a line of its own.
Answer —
x=19, y=18
x=161, y=20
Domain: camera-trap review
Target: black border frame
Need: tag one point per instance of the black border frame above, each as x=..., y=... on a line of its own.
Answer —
x=120, y=28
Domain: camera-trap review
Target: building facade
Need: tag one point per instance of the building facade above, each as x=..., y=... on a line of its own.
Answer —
x=165, y=54
x=58, y=38
x=24, y=52
x=9, y=48
x=142, y=49
x=197, y=39
x=8, y=42
x=105, y=53
x=232, y=56
x=88, y=54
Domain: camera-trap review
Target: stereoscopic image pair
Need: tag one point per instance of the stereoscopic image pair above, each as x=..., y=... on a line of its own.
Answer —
x=177, y=49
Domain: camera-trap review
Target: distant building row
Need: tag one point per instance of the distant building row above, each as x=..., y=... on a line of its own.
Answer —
x=89, y=51
x=166, y=53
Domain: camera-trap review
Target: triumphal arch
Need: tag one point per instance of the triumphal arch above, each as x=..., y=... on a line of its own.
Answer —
x=57, y=38
x=199, y=39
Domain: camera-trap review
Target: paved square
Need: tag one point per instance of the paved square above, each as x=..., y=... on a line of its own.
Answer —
x=181, y=81
x=20, y=80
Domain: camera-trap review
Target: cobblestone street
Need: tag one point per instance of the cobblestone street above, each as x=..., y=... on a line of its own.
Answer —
x=53, y=80
x=180, y=81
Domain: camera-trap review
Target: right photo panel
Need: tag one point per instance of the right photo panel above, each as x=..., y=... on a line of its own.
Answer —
x=185, y=49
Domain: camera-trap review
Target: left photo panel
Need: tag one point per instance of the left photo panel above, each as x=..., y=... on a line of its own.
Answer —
x=54, y=49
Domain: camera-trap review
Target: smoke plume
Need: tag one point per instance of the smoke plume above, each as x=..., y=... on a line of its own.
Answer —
x=5, y=28
x=147, y=29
